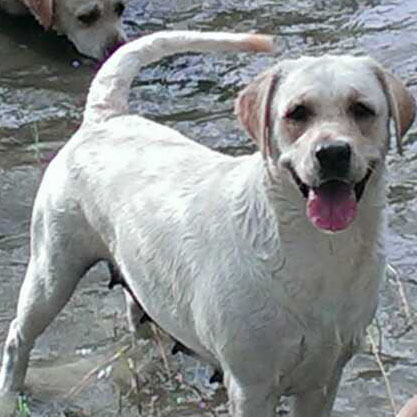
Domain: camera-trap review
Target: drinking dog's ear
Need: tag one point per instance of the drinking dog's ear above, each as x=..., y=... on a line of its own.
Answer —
x=43, y=10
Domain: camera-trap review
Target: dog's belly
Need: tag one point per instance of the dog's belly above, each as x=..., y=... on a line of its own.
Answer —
x=256, y=343
x=296, y=358
x=172, y=315
x=163, y=287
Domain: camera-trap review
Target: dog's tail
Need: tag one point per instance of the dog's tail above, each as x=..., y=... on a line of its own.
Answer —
x=109, y=91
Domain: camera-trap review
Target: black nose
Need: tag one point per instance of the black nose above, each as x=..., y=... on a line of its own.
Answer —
x=334, y=158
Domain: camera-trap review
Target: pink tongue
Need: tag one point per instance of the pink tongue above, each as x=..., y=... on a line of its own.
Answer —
x=334, y=212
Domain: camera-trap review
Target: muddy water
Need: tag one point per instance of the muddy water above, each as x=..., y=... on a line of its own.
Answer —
x=86, y=364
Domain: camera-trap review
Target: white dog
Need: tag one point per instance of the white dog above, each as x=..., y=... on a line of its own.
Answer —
x=237, y=258
x=93, y=26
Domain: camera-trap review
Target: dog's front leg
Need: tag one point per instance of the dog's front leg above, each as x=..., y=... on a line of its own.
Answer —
x=250, y=400
x=318, y=403
x=312, y=404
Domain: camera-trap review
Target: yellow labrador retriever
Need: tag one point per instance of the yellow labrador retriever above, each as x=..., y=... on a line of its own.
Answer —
x=93, y=26
x=267, y=266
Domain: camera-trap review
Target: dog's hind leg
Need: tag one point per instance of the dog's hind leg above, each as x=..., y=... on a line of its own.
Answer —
x=136, y=317
x=61, y=252
x=135, y=314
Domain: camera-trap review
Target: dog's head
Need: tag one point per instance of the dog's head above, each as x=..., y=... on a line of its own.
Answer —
x=93, y=26
x=325, y=122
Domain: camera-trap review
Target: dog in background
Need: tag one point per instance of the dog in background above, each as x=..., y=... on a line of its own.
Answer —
x=93, y=26
x=267, y=266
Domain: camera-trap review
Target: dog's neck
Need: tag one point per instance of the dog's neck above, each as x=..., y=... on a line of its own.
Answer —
x=266, y=197
x=270, y=213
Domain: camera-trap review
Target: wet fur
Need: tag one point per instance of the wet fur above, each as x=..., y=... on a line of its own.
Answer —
x=217, y=250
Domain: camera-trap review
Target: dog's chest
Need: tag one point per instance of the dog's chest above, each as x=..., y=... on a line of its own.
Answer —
x=329, y=279
x=320, y=321
x=330, y=292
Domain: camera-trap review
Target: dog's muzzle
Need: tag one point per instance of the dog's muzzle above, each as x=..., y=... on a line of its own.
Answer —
x=332, y=204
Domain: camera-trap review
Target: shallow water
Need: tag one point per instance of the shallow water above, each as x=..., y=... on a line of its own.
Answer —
x=86, y=364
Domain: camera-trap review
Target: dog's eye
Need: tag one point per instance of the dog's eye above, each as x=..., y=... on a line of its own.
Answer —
x=119, y=8
x=298, y=113
x=362, y=111
x=89, y=18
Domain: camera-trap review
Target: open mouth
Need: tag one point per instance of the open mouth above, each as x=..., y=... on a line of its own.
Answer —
x=333, y=204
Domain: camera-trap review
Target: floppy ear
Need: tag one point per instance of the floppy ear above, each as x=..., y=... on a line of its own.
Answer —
x=253, y=108
x=43, y=10
x=401, y=103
